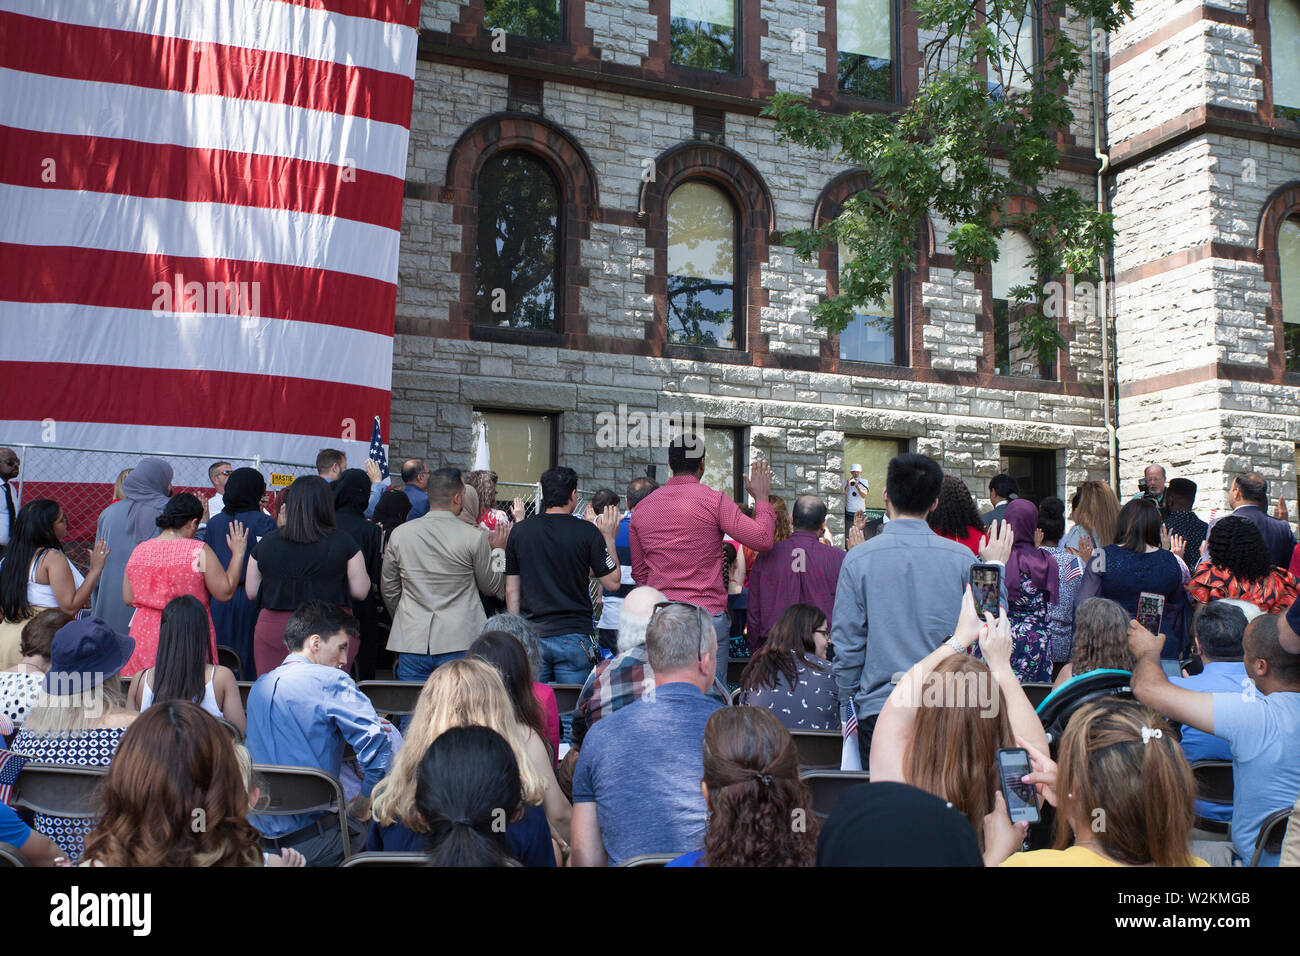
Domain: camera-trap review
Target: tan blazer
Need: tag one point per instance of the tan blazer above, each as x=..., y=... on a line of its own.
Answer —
x=434, y=569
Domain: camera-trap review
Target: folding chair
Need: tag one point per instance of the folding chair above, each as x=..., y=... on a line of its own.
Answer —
x=244, y=687
x=376, y=858
x=231, y=729
x=720, y=691
x=650, y=859
x=818, y=749
x=566, y=697
x=229, y=657
x=1213, y=785
x=392, y=698
x=828, y=785
x=1271, y=834
x=9, y=856
x=295, y=790
x=1036, y=693
x=59, y=790
x=735, y=667
x=735, y=696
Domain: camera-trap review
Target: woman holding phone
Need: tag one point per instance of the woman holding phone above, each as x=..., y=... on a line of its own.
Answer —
x=1122, y=790
x=1138, y=564
x=941, y=728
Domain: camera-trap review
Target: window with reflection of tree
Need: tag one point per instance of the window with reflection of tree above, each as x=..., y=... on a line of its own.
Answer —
x=869, y=337
x=517, y=268
x=536, y=19
x=702, y=266
x=1016, y=69
x=703, y=34
x=864, y=35
x=1288, y=256
x=1013, y=268
x=1284, y=40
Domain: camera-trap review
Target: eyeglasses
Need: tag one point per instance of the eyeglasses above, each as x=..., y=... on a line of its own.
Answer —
x=224, y=474
x=706, y=626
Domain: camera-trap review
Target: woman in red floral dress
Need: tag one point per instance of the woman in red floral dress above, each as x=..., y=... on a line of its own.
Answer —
x=173, y=564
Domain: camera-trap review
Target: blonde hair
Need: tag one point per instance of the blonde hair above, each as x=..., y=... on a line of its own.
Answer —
x=76, y=713
x=118, y=492
x=1140, y=790
x=460, y=693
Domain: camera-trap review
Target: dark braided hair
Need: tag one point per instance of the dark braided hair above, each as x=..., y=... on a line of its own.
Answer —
x=956, y=511
x=760, y=811
x=1237, y=546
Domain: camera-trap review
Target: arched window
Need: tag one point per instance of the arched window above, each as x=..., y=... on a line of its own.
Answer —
x=1013, y=268
x=1288, y=256
x=517, y=263
x=703, y=34
x=869, y=337
x=1284, y=41
x=864, y=31
x=702, y=266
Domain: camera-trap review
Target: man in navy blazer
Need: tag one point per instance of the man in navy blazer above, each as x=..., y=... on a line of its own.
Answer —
x=1249, y=499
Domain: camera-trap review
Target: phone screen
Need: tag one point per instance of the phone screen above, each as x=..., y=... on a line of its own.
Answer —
x=1151, y=608
x=1022, y=802
x=985, y=582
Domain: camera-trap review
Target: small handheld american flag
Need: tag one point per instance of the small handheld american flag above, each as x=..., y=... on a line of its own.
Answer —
x=377, y=453
x=11, y=764
x=1075, y=572
x=850, y=756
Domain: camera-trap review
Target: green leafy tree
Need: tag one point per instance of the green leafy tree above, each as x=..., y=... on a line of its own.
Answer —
x=968, y=141
x=705, y=46
x=538, y=19
x=516, y=262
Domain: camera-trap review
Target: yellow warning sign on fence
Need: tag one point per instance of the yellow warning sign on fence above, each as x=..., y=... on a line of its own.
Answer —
x=281, y=481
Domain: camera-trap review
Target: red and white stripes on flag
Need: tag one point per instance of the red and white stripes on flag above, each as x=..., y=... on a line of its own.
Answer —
x=200, y=205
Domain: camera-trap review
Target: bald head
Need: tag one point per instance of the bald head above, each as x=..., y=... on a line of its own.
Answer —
x=808, y=514
x=8, y=463
x=1271, y=666
x=634, y=617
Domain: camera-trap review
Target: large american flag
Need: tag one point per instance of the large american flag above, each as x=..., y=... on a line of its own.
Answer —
x=200, y=203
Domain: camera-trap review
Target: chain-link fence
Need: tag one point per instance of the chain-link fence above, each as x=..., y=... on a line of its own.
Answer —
x=508, y=491
x=84, y=481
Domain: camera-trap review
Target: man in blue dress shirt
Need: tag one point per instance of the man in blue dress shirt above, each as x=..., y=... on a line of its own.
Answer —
x=301, y=714
x=415, y=479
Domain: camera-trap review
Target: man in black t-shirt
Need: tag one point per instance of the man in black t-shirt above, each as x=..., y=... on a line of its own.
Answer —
x=549, y=561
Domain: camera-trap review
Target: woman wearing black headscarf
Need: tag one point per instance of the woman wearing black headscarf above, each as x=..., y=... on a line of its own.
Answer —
x=351, y=496
x=893, y=824
x=391, y=511
x=235, y=619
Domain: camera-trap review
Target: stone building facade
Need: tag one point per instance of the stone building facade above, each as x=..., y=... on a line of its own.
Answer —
x=1205, y=172
x=620, y=126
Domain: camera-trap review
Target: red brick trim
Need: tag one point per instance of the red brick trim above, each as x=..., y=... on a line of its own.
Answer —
x=1284, y=203
x=1171, y=28
x=1185, y=257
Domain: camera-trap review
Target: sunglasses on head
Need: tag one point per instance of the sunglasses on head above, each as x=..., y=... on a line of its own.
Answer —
x=706, y=626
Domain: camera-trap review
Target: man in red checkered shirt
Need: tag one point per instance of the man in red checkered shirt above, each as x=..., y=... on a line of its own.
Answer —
x=676, y=534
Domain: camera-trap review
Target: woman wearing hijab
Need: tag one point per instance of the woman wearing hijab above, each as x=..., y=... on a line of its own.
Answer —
x=351, y=496
x=1033, y=585
x=124, y=524
x=391, y=511
x=235, y=619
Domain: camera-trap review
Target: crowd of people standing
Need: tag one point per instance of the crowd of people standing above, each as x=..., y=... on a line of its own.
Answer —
x=642, y=600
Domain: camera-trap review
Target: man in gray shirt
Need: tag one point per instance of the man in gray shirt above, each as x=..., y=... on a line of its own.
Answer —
x=899, y=594
x=636, y=789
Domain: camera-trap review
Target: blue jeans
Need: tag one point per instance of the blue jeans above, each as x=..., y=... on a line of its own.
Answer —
x=564, y=659
x=418, y=667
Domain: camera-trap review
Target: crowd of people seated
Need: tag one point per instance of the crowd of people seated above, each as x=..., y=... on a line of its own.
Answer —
x=636, y=680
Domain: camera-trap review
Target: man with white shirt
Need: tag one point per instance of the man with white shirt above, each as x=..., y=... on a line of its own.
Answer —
x=217, y=474
x=855, y=495
x=8, y=471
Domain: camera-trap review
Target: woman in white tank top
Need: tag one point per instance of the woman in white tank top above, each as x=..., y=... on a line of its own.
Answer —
x=182, y=670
